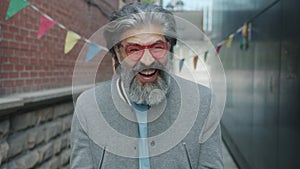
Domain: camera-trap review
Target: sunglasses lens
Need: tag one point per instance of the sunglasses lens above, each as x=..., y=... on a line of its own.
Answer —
x=134, y=51
x=159, y=49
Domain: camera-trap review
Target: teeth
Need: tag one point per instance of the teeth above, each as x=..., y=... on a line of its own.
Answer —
x=147, y=72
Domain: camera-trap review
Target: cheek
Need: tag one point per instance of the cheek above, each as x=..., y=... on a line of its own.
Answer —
x=163, y=60
x=127, y=62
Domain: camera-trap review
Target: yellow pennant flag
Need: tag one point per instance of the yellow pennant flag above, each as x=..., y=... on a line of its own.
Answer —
x=245, y=30
x=71, y=40
x=229, y=41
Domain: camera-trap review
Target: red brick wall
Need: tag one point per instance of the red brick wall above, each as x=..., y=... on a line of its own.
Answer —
x=31, y=64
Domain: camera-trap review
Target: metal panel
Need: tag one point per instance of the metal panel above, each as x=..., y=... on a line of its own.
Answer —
x=261, y=119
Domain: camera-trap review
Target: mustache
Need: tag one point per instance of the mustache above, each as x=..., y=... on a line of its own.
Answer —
x=156, y=65
x=130, y=73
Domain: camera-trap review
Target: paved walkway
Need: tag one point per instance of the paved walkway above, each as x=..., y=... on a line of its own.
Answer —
x=227, y=159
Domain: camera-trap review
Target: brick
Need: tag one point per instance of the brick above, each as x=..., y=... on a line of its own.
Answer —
x=24, y=74
x=19, y=67
x=19, y=82
x=29, y=67
x=16, y=144
x=45, y=152
x=4, y=147
x=23, y=121
x=7, y=67
x=13, y=74
x=6, y=83
x=5, y=59
x=4, y=128
x=29, y=160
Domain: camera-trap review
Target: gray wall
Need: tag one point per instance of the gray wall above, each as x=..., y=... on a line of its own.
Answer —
x=35, y=130
x=261, y=121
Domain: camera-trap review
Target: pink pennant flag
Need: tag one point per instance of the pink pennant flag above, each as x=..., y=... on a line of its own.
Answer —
x=45, y=24
x=219, y=48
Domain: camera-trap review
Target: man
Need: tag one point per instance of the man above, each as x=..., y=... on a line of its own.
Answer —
x=145, y=117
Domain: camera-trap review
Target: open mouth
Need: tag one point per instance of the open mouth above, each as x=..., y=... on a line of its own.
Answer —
x=148, y=72
x=147, y=75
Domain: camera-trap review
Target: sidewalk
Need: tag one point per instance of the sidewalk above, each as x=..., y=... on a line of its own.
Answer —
x=227, y=159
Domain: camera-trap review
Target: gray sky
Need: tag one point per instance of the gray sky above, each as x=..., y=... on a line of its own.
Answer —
x=191, y=4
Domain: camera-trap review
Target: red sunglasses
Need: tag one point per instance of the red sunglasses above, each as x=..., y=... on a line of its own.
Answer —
x=135, y=52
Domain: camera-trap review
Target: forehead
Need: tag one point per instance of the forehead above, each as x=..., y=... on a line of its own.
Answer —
x=143, y=34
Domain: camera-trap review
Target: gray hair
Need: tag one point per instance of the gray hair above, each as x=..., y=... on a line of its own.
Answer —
x=135, y=14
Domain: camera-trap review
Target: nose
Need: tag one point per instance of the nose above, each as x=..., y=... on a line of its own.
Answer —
x=147, y=59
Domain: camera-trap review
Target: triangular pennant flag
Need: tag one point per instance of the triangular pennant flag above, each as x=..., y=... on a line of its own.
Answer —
x=245, y=30
x=181, y=62
x=92, y=52
x=249, y=31
x=244, y=40
x=244, y=44
x=205, y=56
x=14, y=7
x=195, y=62
x=45, y=24
x=229, y=41
x=71, y=40
x=219, y=48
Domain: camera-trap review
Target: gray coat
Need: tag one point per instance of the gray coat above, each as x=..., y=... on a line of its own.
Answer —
x=90, y=148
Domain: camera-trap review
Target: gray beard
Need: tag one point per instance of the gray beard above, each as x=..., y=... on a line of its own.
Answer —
x=148, y=93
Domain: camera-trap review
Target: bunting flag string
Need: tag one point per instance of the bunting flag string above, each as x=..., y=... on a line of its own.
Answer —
x=244, y=32
x=72, y=38
x=46, y=23
x=246, y=29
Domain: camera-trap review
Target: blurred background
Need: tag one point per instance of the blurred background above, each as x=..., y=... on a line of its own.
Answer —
x=257, y=42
